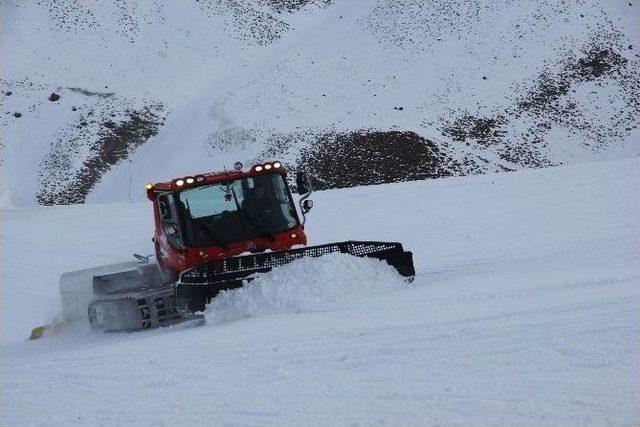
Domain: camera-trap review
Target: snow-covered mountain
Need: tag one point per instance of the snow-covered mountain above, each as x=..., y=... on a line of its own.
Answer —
x=100, y=97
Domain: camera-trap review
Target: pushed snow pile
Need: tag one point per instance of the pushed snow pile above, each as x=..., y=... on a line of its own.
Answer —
x=309, y=284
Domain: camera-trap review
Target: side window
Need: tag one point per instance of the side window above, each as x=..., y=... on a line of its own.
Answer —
x=165, y=208
x=170, y=220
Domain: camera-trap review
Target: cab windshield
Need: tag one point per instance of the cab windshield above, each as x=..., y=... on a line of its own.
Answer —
x=237, y=210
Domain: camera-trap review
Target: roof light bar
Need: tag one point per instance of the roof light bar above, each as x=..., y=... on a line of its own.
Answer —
x=267, y=166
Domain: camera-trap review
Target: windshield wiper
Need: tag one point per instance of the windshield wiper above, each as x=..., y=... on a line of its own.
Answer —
x=256, y=224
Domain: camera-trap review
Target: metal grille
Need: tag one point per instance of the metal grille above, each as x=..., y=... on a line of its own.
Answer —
x=239, y=267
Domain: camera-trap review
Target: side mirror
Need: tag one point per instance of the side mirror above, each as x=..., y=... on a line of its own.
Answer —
x=307, y=205
x=303, y=182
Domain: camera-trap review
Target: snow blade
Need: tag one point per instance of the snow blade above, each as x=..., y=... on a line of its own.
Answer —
x=200, y=284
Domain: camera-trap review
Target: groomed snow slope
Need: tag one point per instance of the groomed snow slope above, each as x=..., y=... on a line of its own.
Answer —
x=525, y=311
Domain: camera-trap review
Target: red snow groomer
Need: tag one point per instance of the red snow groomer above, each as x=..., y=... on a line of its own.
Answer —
x=213, y=232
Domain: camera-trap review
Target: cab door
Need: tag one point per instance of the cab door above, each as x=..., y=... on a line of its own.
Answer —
x=171, y=240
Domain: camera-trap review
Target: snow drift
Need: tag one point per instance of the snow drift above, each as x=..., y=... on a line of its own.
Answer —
x=307, y=285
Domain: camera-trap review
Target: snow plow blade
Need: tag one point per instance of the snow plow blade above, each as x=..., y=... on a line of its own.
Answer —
x=121, y=297
x=200, y=284
x=79, y=288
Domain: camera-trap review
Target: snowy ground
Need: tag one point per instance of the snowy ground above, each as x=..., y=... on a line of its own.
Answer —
x=525, y=311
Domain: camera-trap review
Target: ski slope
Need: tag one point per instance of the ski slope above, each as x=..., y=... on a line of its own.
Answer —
x=525, y=311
